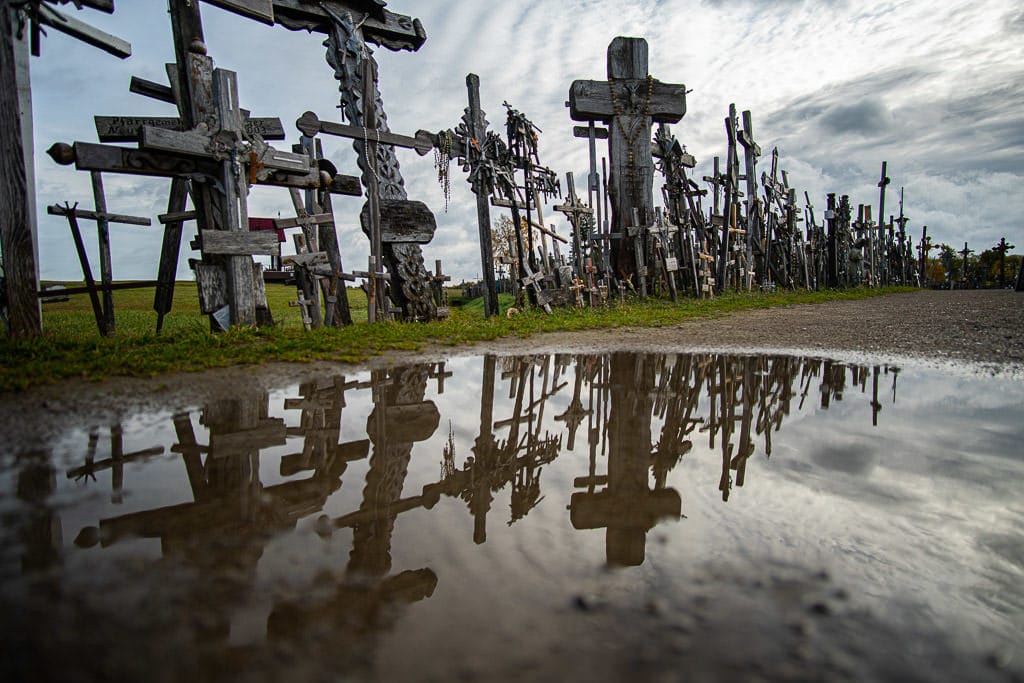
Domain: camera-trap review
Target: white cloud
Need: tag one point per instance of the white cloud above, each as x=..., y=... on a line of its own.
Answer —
x=837, y=86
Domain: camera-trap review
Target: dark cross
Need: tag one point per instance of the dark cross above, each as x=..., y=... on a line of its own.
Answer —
x=104, y=312
x=627, y=508
x=751, y=151
x=372, y=218
x=477, y=150
x=965, y=252
x=628, y=102
x=574, y=210
x=349, y=26
x=883, y=271
x=440, y=298
x=730, y=204
x=18, y=239
x=923, y=247
x=1002, y=249
x=211, y=146
x=115, y=463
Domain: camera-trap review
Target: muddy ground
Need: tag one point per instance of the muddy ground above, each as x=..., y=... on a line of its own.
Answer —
x=983, y=327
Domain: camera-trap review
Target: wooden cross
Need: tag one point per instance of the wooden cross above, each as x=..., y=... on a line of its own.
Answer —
x=440, y=298
x=668, y=264
x=628, y=102
x=416, y=223
x=574, y=210
x=18, y=236
x=349, y=26
x=751, y=151
x=593, y=134
x=883, y=266
x=965, y=252
x=104, y=312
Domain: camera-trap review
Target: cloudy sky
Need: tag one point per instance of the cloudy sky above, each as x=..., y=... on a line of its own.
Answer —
x=937, y=90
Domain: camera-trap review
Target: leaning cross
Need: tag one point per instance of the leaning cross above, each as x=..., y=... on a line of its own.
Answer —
x=629, y=101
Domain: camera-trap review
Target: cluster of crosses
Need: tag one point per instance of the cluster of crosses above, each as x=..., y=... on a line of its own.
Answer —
x=213, y=151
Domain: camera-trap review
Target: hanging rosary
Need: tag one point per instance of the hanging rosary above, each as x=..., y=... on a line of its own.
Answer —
x=620, y=114
x=371, y=159
x=442, y=163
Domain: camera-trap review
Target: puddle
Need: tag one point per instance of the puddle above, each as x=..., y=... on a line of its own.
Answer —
x=538, y=517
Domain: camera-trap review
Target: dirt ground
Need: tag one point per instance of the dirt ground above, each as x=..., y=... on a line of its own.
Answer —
x=980, y=326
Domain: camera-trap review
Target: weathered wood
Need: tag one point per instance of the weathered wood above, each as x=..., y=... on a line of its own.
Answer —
x=235, y=243
x=58, y=210
x=16, y=238
x=128, y=128
x=261, y=10
x=474, y=122
x=211, y=281
x=310, y=124
x=146, y=88
x=402, y=221
x=315, y=219
x=167, y=270
x=629, y=101
x=75, y=28
x=90, y=283
x=592, y=100
x=134, y=284
x=379, y=26
x=176, y=217
x=106, y=267
x=584, y=132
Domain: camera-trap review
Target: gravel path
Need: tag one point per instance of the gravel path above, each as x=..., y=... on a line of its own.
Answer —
x=986, y=326
x=982, y=326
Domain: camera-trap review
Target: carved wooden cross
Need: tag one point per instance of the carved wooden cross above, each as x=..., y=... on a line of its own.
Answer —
x=629, y=101
x=574, y=210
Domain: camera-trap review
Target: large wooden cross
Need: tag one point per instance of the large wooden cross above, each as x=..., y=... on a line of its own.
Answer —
x=628, y=102
x=20, y=30
x=349, y=25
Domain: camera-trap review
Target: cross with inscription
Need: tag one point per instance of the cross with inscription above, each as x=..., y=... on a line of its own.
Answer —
x=628, y=102
x=20, y=30
x=214, y=146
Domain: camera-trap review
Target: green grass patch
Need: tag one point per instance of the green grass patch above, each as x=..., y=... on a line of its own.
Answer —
x=71, y=347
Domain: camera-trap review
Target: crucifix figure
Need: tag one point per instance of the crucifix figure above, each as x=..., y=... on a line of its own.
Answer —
x=349, y=26
x=628, y=102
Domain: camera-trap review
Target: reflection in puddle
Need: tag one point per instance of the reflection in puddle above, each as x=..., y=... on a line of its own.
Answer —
x=359, y=515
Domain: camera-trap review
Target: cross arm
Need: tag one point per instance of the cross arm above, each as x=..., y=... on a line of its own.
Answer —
x=84, y=32
x=380, y=26
x=592, y=101
x=310, y=124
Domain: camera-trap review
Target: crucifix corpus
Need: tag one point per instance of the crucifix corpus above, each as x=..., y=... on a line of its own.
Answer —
x=628, y=102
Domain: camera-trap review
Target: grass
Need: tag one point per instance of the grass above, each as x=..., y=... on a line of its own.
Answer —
x=71, y=347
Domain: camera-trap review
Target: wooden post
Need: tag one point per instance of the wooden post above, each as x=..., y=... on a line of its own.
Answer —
x=168, y=268
x=106, y=269
x=16, y=233
x=476, y=126
x=629, y=101
x=882, y=270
